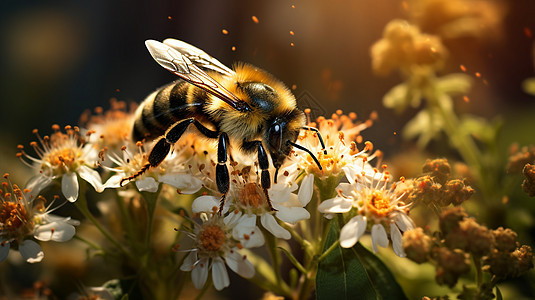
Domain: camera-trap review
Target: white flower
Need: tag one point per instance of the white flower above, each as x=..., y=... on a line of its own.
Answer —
x=174, y=171
x=247, y=200
x=373, y=203
x=340, y=134
x=66, y=156
x=19, y=221
x=214, y=246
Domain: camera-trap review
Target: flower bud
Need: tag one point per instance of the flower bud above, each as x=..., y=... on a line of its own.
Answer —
x=417, y=245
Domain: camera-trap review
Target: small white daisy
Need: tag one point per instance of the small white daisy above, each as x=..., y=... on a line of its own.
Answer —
x=374, y=205
x=65, y=156
x=214, y=246
x=175, y=171
x=20, y=220
x=247, y=201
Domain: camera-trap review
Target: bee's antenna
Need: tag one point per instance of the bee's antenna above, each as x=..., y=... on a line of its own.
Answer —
x=307, y=151
x=319, y=137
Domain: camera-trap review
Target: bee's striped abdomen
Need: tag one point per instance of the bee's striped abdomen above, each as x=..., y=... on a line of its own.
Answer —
x=161, y=109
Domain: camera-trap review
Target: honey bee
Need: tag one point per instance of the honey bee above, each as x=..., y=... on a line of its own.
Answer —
x=244, y=106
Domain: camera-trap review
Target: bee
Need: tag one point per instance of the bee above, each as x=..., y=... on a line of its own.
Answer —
x=244, y=106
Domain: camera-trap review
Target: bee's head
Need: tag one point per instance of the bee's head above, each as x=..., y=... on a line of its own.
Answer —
x=281, y=131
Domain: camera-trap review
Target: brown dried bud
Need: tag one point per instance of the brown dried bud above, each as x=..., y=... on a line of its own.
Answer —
x=456, y=192
x=523, y=260
x=417, y=245
x=451, y=265
x=439, y=168
x=470, y=237
x=450, y=218
x=505, y=239
x=425, y=190
x=519, y=159
x=509, y=264
x=529, y=183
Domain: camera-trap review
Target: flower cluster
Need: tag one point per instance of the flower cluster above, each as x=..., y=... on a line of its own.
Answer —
x=22, y=220
x=404, y=47
x=460, y=240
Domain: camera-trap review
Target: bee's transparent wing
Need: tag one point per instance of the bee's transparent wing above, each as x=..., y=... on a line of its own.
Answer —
x=181, y=65
x=198, y=57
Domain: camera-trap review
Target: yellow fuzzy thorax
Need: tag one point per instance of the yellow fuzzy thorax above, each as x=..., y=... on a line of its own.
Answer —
x=247, y=125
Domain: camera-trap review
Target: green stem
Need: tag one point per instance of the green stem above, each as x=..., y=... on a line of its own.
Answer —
x=329, y=250
x=294, y=260
x=479, y=273
x=89, y=243
x=151, y=200
x=275, y=257
x=205, y=288
x=81, y=204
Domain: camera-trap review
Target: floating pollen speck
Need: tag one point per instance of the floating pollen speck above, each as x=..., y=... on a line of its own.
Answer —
x=169, y=17
x=255, y=19
x=478, y=75
x=293, y=6
x=292, y=44
x=463, y=68
x=405, y=5
x=527, y=32
x=466, y=99
x=224, y=31
x=291, y=32
x=233, y=48
x=294, y=87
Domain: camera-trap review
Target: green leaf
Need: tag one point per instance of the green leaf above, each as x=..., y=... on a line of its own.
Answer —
x=498, y=294
x=384, y=282
x=341, y=275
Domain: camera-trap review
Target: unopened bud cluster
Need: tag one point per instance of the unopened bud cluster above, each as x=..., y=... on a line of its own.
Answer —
x=460, y=240
x=437, y=188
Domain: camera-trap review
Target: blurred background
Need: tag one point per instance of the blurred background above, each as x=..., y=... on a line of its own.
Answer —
x=60, y=58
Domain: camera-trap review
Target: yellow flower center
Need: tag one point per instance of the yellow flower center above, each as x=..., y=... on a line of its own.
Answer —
x=12, y=216
x=63, y=157
x=212, y=238
x=249, y=196
x=378, y=204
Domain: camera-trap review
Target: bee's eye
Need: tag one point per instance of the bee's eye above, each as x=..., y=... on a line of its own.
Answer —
x=275, y=136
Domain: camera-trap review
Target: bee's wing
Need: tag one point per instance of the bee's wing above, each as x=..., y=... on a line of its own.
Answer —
x=181, y=65
x=198, y=57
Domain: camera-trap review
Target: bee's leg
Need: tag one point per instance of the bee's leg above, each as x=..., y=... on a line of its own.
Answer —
x=319, y=136
x=263, y=163
x=161, y=149
x=221, y=171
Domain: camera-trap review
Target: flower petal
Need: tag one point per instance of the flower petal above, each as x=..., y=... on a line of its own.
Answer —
x=337, y=204
x=232, y=218
x=379, y=237
x=200, y=273
x=239, y=264
x=404, y=222
x=248, y=233
x=31, y=251
x=350, y=173
x=279, y=193
x=147, y=184
x=395, y=235
x=4, y=249
x=186, y=183
x=204, y=204
x=269, y=223
x=56, y=231
x=352, y=231
x=306, y=189
x=114, y=182
x=91, y=176
x=189, y=262
x=36, y=184
x=219, y=274
x=291, y=214
x=69, y=186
